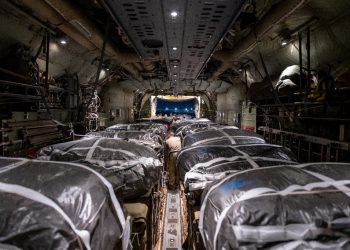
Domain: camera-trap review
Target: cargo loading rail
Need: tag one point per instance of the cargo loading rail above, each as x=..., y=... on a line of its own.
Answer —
x=306, y=147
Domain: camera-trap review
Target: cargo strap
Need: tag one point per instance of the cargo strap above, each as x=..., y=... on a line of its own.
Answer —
x=172, y=224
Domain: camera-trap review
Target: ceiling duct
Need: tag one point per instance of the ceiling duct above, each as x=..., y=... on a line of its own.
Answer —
x=175, y=30
x=275, y=16
x=141, y=22
x=75, y=24
x=206, y=24
x=47, y=14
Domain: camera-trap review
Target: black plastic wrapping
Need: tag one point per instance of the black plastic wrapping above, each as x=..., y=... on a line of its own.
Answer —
x=156, y=128
x=132, y=169
x=180, y=123
x=139, y=135
x=199, y=178
x=117, y=127
x=56, y=205
x=189, y=128
x=213, y=127
x=163, y=120
x=267, y=206
x=145, y=138
x=224, y=136
x=8, y=247
x=204, y=157
x=329, y=244
x=100, y=134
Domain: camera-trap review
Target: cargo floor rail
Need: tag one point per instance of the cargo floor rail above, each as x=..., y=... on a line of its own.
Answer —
x=172, y=224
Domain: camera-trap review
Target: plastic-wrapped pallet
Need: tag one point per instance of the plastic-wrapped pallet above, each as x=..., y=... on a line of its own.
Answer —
x=145, y=138
x=162, y=120
x=117, y=127
x=200, y=177
x=139, y=135
x=188, y=129
x=180, y=123
x=156, y=128
x=183, y=122
x=225, y=136
x=283, y=207
x=100, y=134
x=56, y=205
x=133, y=169
x=211, y=159
x=213, y=127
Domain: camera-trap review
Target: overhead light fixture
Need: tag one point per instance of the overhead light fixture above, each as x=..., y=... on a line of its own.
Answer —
x=284, y=42
x=175, y=80
x=285, y=37
x=174, y=48
x=63, y=41
x=102, y=75
x=175, y=66
x=173, y=14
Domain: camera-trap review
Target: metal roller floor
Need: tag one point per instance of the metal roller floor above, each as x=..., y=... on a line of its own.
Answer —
x=172, y=223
